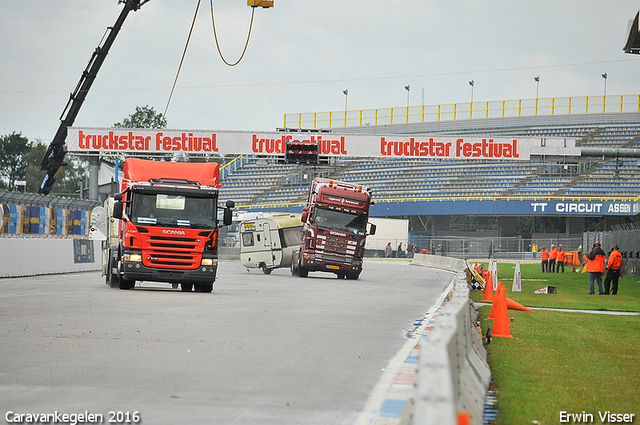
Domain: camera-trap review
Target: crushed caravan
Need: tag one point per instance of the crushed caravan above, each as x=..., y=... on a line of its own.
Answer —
x=268, y=242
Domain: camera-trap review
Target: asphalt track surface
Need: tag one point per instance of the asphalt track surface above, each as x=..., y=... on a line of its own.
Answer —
x=260, y=349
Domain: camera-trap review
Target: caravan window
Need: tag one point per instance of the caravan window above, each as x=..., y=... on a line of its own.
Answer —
x=291, y=236
x=247, y=239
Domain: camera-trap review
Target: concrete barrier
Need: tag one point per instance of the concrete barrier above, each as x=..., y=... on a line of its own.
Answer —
x=453, y=374
x=439, y=262
x=36, y=256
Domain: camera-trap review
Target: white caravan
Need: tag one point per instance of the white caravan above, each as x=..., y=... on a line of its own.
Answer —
x=269, y=242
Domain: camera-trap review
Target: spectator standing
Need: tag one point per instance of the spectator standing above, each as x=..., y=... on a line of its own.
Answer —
x=595, y=267
x=613, y=271
x=553, y=254
x=534, y=250
x=411, y=252
x=388, y=251
x=490, y=249
x=560, y=259
x=400, y=252
x=544, y=256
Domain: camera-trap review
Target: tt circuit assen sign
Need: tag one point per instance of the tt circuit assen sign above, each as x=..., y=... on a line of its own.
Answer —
x=109, y=140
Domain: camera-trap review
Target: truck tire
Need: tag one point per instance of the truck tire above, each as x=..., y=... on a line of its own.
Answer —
x=303, y=272
x=186, y=287
x=353, y=276
x=265, y=269
x=126, y=284
x=294, y=265
x=111, y=279
x=206, y=288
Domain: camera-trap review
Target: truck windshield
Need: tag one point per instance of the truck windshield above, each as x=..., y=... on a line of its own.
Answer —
x=340, y=220
x=173, y=210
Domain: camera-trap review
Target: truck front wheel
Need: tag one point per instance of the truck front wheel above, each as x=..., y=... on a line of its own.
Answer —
x=186, y=287
x=206, y=287
x=126, y=283
x=302, y=272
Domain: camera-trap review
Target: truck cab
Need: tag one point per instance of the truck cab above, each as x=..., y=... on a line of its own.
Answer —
x=335, y=229
x=168, y=229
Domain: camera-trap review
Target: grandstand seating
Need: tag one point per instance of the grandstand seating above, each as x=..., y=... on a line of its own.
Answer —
x=256, y=185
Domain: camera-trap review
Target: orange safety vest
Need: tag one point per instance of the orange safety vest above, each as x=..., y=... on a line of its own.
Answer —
x=597, y=263
x=544, y=254
x=561, y=255
x=553, y=254
x=615, y=260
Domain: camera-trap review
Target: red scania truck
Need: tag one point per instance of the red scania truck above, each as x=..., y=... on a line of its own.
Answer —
x=335, y=229
x=168, y=230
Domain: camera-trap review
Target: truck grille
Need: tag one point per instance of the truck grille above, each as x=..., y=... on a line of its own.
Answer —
x=335, y=249
x=165, y=251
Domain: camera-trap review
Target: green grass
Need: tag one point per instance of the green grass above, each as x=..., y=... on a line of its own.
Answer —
x=565, y=361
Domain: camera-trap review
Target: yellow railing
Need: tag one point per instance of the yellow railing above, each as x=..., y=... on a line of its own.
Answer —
x=233, y=165
x=466, y=110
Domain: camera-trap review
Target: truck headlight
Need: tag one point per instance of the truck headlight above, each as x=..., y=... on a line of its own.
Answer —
x=134, y=258
x=208, y=262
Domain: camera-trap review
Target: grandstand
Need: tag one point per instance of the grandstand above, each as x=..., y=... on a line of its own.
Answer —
x=264, y=183
x=560, y=184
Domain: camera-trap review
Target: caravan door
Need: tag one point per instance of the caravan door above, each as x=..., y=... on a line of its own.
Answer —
x=268, y=244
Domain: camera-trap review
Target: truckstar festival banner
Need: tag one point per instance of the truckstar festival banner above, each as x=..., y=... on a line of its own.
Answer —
x=109, y=140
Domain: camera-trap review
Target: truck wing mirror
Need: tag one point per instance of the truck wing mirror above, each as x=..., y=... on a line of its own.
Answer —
x=117, y=210
x=118, y=196
x=230, y=204
x=304, y=217
x=227, y=217
x=372, y=229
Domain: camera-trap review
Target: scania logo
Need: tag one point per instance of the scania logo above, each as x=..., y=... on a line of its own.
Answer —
x=344, y=235
x=173, y=232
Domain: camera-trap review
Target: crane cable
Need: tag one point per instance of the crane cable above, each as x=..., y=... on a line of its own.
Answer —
x=182, y=59
x=215, y=34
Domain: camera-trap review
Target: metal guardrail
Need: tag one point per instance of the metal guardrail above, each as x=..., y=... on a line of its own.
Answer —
x=465, y=198
x=465, y=110
x=50, y=201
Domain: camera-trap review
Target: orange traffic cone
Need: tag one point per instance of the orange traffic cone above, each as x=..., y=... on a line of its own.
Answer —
x=464, y=418
x=488, y=289
x=512, y=305
x=492, y=313
x=501, y=326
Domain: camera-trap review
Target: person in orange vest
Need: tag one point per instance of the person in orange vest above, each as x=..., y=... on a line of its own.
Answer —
x=544, y=256
x=552, y=259
x=613, y=271
x=560, y=259
x=595, y=267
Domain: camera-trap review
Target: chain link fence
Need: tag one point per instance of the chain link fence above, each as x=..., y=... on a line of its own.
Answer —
x=627, y=237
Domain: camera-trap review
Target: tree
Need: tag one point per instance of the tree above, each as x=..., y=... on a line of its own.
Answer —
x=13, y=150
x=143, y=117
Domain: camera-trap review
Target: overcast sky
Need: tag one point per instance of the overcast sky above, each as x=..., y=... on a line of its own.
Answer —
x=301, y=56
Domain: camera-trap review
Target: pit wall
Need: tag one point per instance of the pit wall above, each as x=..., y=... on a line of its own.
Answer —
x=35, y=256
x=453, y=374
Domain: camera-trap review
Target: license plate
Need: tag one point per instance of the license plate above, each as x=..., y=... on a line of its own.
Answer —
x=331, y=266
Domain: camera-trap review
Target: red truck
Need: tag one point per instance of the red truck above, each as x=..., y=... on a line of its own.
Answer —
x=335, y=229
x=168, y=230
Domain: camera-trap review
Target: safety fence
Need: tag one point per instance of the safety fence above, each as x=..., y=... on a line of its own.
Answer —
x=32, y=215
x=465, y=110
x=628, y=241
x=504, y=247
